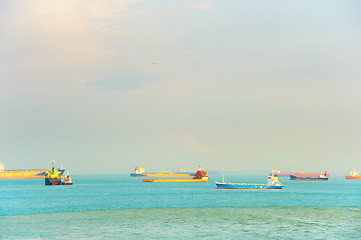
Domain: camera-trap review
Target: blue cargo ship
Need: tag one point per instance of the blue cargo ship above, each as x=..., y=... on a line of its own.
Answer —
x=272, y=183
x=303, y=178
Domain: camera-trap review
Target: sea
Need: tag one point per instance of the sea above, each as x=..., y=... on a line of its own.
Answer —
x=121, y=207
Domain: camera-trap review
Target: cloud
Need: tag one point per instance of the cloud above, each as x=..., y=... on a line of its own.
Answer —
x=127, y=82
x=56, y=44
x=203, y=5
x=193, y=144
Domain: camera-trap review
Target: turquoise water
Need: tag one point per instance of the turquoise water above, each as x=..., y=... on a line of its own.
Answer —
x=120, y=206
x=179, y=223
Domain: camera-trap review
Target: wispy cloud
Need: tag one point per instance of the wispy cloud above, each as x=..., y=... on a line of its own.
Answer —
x=194, y=144
x=127, y=82
x=203, y=5
x=56, y=42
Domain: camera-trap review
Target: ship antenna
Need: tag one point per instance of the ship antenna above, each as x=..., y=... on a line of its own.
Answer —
x=53, y=163
x=223, y=178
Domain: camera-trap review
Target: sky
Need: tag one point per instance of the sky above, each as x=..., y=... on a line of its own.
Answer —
x=237, y=85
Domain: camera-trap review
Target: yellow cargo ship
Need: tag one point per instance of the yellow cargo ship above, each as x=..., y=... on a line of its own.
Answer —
x=200, y=176
x=21, y=173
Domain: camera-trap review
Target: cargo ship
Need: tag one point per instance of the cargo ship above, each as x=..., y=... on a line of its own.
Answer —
x=272, y=184
x=320, y=177
x=280, y=174
x=57, y=176
x=353, y=175
x=21, y=173
x=200, y=176
x=140, y=172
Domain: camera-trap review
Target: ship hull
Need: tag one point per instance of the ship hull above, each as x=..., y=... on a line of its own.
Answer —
x=66, y=183
x=311, y=175
x=170, y=175
x=138, y=175
x=175, y=180
x=56, y=181
x=52, y=181
x=247, y=186
x=353, y=177
x=163, y=175
x=22, y=177
x=23, y=174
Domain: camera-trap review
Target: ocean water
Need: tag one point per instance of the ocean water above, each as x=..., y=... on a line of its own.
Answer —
x=117, y=206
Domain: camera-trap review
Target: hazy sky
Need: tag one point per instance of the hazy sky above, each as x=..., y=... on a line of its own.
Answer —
x=103, y=86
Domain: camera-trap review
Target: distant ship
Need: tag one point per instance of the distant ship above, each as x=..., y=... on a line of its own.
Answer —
x=200, y=176
x=353, y=175
x=140, y=172
x=320, y=177
x=280, y=174
x=57, y=176
x=272, y=184
x=21, y=173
